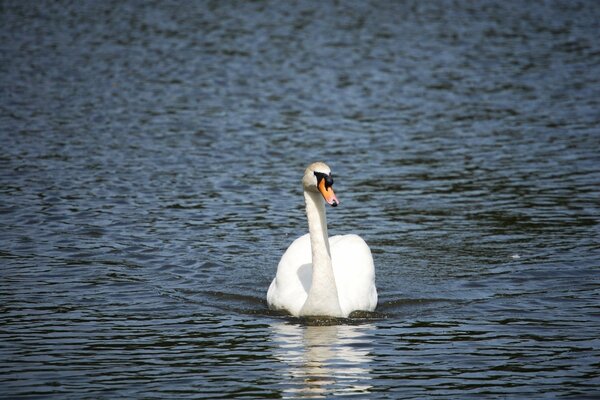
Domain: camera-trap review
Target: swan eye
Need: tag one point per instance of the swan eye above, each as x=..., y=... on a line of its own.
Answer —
x=328, y=179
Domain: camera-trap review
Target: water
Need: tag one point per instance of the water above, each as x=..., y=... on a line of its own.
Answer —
x=150, y=181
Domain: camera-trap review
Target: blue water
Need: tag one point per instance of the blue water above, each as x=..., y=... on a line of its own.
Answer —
x=150, y=180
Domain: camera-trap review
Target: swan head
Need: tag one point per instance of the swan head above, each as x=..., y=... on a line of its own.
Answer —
x=317, y=178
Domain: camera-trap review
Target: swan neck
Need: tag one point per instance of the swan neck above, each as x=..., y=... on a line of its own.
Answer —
x=323, y=296
x=317, y=225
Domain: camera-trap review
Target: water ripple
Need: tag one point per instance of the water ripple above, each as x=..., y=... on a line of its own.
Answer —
x=150, y=182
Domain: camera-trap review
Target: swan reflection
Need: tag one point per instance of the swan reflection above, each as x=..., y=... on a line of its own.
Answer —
x=323, y=360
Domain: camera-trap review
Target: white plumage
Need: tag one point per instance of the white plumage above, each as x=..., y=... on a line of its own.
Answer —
x=323, y=276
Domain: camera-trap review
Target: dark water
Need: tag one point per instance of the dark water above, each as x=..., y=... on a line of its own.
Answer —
x=150, y=181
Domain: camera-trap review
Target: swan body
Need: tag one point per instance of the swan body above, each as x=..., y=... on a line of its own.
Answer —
x=318, y=275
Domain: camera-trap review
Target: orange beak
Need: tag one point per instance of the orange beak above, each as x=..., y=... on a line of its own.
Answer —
x=328, y=194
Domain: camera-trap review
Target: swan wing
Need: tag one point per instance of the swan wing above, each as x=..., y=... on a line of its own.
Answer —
x=354, y=273
x=289, y=289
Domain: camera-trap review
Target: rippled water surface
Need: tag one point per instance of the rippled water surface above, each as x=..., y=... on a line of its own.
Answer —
x=150, y=180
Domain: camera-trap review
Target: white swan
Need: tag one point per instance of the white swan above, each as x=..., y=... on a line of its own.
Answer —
x=318, y=275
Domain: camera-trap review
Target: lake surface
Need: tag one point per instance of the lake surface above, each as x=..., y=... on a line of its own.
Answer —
x=150, y=181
